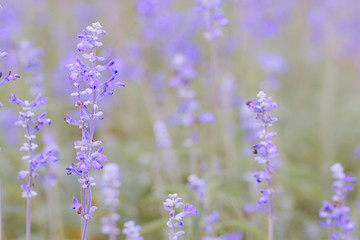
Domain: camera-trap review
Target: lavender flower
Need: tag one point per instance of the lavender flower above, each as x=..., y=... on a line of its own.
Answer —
x=264, y=19
x=272, y=64
x=265, y=150
x=9, y=76
x=90, y=89
x=175, y=221
x=210, y=220
x=162, y=137
x=335, y=213
x=333, y=19
x=132, y=231
x=213, y=17
x=32, y=125
x=110, y=184
x=30, y=58
x=198, y=185
x=188, y=105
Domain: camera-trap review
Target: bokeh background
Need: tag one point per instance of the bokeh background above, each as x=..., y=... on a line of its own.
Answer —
x=304, y=53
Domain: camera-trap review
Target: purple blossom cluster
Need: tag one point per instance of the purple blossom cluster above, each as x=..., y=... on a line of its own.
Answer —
x=198, y=185
x=213, y=17
x=31, y=124
x=132, y=231
x=31, y=64
x=263, y=19
x=110, y=185
x=209, y=222
x=188, y=106
x=162, y=137
x=90, y=88
x=333, y=19
x=273, y=64
x=10, y=76
x=336, y=213
x=265, y=150
x=175, y=220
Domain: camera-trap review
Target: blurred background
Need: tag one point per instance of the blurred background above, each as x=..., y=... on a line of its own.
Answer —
x=304, y=53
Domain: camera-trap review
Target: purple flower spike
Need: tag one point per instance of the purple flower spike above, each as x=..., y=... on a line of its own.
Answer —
x=132, y=231
x=198, y=185
x=189, y=209
x=187, y=115
x=110, y=185
x=335, y=213
x=32, y=125
x=92, y=84
x=8, y=78
x=265, y=150
x=175, y=220
x=213, y=17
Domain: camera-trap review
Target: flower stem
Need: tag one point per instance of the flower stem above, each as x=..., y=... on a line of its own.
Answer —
x=30, y=183
x=28, y=218
x=271, y=213
x=271, y=204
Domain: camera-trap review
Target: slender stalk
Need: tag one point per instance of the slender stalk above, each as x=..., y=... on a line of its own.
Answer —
x=171, y=219
x=51, y=213
x=87, y=192
x=28, y=218
x=271, y=213
x=271, y=204
x=214, y=98
x=112, y=236
x=88, y=205
x=30, y=183
x=83, y=197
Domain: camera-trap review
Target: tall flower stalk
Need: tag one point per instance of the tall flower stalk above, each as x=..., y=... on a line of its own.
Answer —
x=9, y=76
x=110, y=185
x=265, y=152
x=175, y=220
x=335, y=213
x=90, y=88
x=188, y=105
x=31, y=125
x=213, y=19
x=132, y=231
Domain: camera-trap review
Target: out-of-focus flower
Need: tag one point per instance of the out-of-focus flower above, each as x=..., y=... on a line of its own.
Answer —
x=213, y=17
x=132, y=231
x=198, y=185
x=335, y=213
x=110, y=184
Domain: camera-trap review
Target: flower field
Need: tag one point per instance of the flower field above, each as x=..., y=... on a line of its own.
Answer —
x=179, y=119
